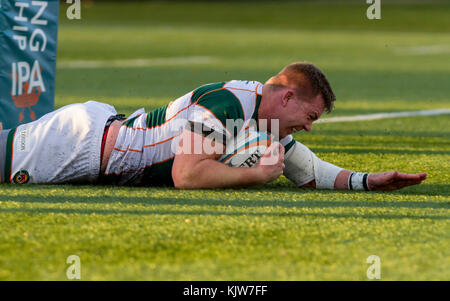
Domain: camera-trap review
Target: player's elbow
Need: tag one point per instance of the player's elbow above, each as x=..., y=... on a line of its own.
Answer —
x=181, y=182
x=183, y=178
x=191, y=172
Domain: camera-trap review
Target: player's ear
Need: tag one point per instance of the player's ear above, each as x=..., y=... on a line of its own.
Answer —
x=288, y=94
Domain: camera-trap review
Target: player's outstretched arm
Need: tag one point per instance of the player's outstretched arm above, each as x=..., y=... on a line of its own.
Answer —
x=305, y=169
x=200, y=168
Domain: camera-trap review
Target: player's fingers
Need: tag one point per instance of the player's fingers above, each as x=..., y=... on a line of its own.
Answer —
x=271, y=156
x=395, y=180
x=407, y=176
x=281, y=148
x=422, y=175
x=273, y=149
x=270, y=151
x=280, y=162
x=281, y=157
x=401, y=184
x=410, y=182
x=278, y=151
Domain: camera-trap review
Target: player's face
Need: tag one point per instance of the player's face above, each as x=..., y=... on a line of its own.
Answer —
x=299, y=114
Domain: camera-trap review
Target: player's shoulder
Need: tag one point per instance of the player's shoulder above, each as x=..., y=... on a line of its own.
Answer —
x=248, y=93
x=235, y=99
x=244, y=85
x=232, y=85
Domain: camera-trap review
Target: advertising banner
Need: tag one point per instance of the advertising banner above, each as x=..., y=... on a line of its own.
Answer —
x=28, y=43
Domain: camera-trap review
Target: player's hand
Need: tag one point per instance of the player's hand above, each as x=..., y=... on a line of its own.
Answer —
x=271, y=164
x=394, y=180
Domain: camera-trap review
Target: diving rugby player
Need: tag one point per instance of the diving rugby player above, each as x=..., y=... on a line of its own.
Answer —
x=91, y=143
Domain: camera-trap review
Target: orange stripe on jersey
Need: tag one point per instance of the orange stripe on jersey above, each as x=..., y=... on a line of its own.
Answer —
x=124, y=151
x=150, y=145
x=253, y=91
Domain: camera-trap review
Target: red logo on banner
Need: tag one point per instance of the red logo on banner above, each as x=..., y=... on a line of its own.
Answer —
x=26, y=101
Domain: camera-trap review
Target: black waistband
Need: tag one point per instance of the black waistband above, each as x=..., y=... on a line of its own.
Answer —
x=113, y=118
x=119, y=117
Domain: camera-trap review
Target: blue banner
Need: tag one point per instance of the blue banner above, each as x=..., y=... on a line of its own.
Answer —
x=28, y=41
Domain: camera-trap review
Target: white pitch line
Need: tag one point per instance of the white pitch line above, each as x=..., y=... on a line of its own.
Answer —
x=135, y=63
x=423, y=50
x=384, y=115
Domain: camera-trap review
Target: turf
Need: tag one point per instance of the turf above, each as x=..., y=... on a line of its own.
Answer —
x=271, y=232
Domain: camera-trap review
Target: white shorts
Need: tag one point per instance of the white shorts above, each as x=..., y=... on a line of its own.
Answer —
x=61, y=147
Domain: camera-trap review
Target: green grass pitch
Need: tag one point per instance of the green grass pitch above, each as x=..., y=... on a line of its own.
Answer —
x=272, y=232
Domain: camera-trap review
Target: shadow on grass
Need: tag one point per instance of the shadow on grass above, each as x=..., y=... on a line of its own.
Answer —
x=230, y=202
x=202, y=200
x=217, y=213
x=279, y=186
x=288, y=187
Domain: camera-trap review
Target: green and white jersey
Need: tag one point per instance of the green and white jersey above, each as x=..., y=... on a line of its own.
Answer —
x=147, y=143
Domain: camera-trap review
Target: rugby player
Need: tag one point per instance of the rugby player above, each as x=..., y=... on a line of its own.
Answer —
x=91, y=143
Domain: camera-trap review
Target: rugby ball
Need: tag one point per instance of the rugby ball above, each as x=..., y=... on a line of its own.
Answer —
x=246, y=149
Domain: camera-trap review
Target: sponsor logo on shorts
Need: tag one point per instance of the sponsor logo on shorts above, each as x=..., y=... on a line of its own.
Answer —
x=23, y=144
x=21, y=177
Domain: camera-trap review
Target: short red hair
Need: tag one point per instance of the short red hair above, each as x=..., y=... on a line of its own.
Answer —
x=307, y=80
